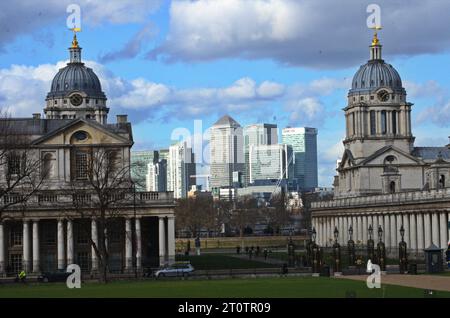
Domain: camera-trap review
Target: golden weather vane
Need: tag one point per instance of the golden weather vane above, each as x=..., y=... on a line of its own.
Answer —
x=375, y=40
x=75, y=41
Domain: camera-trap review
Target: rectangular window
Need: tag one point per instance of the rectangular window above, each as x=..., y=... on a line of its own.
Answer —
x=373, y=128
x=15, y=261
x=14, y=164
x=83, y=261
x=81, y=165
x=16, y=236
x=383, y=122
x=353, y=124
x=394, y=122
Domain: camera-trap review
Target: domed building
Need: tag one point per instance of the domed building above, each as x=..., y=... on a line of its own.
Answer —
x=66, y=180
x=382, y=178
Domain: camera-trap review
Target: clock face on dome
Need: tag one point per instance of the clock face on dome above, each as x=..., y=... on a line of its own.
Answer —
x=383, y=95
x=76, y=99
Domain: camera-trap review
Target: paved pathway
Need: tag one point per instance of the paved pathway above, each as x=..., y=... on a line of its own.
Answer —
x=269, y=260
x=434, y=282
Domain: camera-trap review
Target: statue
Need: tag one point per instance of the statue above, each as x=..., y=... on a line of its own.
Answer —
x=381, y=250
x=402, y=253
x=351, y=248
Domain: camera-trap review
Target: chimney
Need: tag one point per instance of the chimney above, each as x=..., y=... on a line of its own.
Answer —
x=36, y=116
x=122, y=119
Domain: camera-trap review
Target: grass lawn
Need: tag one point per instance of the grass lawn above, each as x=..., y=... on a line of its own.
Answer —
x=221, y=261
x=291, y=287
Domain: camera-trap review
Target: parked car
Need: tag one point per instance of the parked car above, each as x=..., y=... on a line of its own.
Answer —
x=57, y=276
x=175, y=270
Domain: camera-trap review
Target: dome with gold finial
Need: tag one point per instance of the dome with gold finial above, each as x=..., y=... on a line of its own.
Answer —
x=376, y=73
x=76, y=77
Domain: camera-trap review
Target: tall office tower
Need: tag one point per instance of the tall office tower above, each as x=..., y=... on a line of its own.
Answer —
x=180, y=167
x=226, y=149
x=255, y=135
x=304, y=145
x=157, y=176
x=270, y=162
x=139, y=163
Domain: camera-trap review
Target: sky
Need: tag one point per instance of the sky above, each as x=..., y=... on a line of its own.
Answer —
x=169, y=64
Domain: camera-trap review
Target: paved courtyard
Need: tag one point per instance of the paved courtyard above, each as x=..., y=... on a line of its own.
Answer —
x=434, y=282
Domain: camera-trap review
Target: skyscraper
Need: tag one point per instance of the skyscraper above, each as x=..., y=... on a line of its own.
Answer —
x=270, y=162
x=304, y=145
x=139, y=164
x=180, y=166
x=257, y=134
x=157, y=176
x=226, y=149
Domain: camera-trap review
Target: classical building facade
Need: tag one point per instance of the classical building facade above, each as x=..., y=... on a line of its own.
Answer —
x=55, y=224
x=383, y=179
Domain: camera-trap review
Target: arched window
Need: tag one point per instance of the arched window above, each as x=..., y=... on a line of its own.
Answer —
x=394, y=122
x=441, y=181
x=392, y=187
x=383, y=122
x=373, y=129
x=48, y=165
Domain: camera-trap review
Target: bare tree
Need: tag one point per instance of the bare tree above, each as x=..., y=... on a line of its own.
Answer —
x=101, y=185
x=245, y=214
x=20, y=165
x=194, y=214
x=277, y=215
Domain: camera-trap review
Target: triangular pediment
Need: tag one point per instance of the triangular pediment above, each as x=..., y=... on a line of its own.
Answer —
x=401, y=157
x=347, y=160
x=95, y=132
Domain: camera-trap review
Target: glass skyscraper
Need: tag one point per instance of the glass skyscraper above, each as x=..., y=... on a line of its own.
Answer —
x=304, y=145
x=257, y=135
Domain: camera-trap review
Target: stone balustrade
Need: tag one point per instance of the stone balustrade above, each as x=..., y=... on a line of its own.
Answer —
x=394, y=198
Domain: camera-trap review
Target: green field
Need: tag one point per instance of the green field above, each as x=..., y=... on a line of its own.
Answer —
x=293, y=287
x=221, y=261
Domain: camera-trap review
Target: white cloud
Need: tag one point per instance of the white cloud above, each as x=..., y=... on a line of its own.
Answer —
x=32, y=17
x=23, y=90
x=318, y=34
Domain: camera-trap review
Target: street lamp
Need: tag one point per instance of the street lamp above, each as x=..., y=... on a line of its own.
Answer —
x=336, y=233
x=350, y=232
x=380, y=232
x=370, y=231
x=402, y=231
x=313, y=234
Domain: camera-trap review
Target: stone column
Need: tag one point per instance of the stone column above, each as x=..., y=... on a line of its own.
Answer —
x=399, y=225
x=360, y=228
x=435, y=228
x=36, y=258
x=406, y=227
x=341, y=230
x=413, y=231
x=171, y=239
x=128, y=245
x=443, y=231
x=2, y=250
x=393, y=230
x=427, y=228
x=94, y=237
x=387, y=230
x=375, y=227
x=448, y=220
x=355, y=228
x=162, y=241
x=420, y=230
x=137, y=225
x=365, y=231
x=70, y=259
x=345, y=230
x=26, y=246
x=61, y=259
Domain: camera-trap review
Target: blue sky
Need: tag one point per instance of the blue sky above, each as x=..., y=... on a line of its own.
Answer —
x=167, y=63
